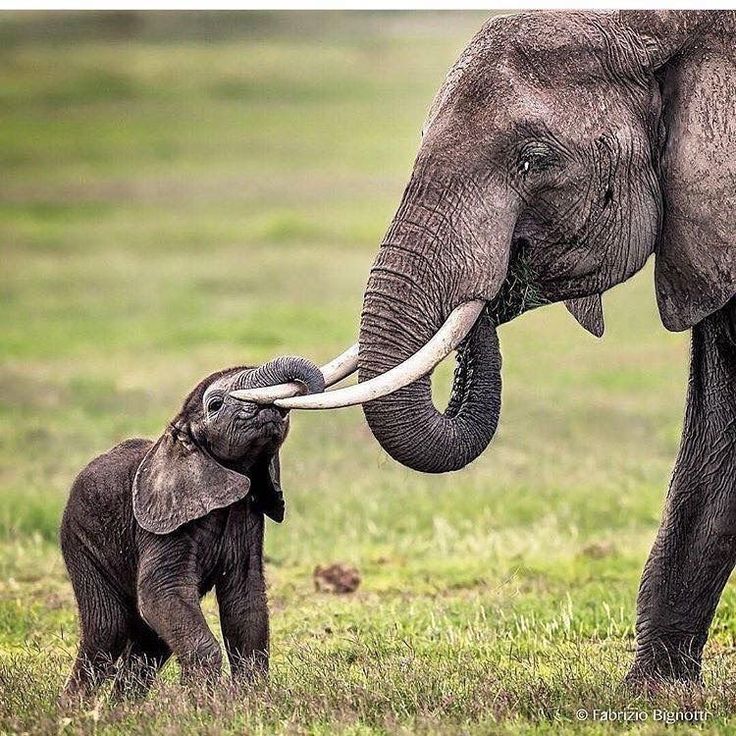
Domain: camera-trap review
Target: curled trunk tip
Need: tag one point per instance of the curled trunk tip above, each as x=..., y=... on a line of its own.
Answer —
x=411, y=429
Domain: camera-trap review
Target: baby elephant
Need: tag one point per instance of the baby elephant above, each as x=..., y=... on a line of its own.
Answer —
x=149, y=528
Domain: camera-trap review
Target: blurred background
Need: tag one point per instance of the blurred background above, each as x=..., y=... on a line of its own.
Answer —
x=185, y=191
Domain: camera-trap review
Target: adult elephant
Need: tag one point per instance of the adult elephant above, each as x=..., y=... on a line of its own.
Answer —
x=563, y=150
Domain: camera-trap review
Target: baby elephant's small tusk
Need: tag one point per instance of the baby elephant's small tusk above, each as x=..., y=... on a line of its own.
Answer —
x=334, y=371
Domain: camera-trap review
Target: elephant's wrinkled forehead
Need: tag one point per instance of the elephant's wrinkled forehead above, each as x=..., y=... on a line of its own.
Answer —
x=219, y=382
x=526, y=65
x=224, y=381
x=549, y=47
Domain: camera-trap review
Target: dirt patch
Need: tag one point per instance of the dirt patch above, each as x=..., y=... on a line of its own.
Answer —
x=336, y=578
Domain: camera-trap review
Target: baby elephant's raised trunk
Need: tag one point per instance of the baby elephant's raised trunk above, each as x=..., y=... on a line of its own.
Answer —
x=284, y=369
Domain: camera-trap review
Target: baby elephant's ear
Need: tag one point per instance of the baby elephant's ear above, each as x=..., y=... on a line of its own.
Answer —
x=178, y=482
x=268, y=498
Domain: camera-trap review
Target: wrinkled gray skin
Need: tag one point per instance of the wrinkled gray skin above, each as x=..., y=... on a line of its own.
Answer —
x=562, y=151
x=149, y=528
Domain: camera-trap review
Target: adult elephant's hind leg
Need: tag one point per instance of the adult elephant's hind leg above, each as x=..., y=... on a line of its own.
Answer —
x=695, y=549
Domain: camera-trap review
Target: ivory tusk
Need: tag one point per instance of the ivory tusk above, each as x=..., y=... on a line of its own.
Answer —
x=334, y=371
x=342, y=366
x=447, y=338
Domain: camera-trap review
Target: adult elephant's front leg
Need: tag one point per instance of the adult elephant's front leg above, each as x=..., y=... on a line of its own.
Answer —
x=695, y=548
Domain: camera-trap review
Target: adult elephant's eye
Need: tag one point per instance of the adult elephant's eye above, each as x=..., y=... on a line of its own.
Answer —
x=534, y=157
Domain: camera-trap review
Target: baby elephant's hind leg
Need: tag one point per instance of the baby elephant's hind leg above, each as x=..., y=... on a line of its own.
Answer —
x=146, y=654
x=104, y=635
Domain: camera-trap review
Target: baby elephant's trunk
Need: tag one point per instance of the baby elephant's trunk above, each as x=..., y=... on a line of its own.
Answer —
x=284, y=369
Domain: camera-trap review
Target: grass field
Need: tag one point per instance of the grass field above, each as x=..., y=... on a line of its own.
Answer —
x=183, y=194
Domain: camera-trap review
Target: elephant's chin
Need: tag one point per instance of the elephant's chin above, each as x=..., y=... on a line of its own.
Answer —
x=412, y=430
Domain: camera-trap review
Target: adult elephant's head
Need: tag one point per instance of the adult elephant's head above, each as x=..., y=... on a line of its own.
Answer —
x=560, y=151
x=541, y=178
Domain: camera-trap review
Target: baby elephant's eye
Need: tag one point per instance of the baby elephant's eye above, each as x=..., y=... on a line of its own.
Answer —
x=214, y=404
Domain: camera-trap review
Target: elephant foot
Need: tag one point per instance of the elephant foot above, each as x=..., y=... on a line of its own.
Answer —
x=665, y=662
x=201, y=668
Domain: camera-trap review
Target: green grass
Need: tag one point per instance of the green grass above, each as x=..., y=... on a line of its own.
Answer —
x=171, y=205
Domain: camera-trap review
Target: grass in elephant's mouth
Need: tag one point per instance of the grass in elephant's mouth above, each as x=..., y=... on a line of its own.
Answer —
x=170, y=208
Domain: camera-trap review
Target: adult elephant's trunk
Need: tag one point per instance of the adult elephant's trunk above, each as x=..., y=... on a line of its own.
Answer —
x=409, y=426
x=436, y=256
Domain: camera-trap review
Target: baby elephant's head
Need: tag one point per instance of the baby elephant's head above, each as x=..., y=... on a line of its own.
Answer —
x=238, y=432
x=218, y=449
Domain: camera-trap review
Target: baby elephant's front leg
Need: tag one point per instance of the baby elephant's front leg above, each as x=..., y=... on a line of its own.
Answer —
x=244, y=622
x=241, y=595
x=168, y=601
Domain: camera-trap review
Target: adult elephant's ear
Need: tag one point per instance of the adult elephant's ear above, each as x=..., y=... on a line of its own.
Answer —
x=268, y=498
x=178, y=482
x=693, y=56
